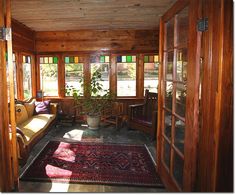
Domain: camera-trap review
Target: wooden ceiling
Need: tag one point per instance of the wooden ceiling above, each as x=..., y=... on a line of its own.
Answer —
x=60, y=15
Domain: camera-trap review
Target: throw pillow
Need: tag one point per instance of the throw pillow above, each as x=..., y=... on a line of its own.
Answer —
x=42, y=107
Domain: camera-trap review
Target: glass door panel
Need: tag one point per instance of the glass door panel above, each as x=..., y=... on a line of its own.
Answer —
x=168, y=121
x=177, y=143
x=168, y=95
x=180, y=103
x=181, y=65
x=179, y=135
x=169, y=66
x=167, y=150
x=178, y=169
x=170, y=34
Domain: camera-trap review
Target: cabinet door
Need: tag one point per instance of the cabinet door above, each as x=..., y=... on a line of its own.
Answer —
x=179, y=89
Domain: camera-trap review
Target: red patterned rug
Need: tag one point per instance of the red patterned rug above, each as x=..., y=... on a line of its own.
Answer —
x=93, y=163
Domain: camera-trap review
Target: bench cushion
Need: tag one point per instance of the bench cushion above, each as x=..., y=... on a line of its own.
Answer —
x=35, y=125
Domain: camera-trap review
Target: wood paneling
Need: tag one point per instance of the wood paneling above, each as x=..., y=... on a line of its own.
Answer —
x=97, y=40
x=23, y=37
x=215, y=162
x=6, y=182
x=61, y=15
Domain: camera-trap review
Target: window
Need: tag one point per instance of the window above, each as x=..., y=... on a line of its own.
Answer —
x=126, y=75
x=27, y=79
x=73, y=74
x=8, y=82
x=49, y=75
x=101, y=63
x=151, y=73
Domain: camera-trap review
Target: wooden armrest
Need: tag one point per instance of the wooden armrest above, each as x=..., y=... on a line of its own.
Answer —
x=136, y=105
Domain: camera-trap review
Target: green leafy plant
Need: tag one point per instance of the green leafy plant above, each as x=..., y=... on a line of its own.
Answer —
x=98, y=99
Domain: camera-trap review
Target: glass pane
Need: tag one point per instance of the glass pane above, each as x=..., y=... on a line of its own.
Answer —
x=151, y=58
x=145, y=59
x=55, y=60
x=49, y=79
x=178, y=169
x=169, y=66
x=168, y=95
x=102, y=59
x=107, y=59
x=50, y=59
x=118, y=59
x=156, y=58
x=126, y=79
x=27, y=82
x=73, y=74
x=150, y=77
x=104, y=69
x=45, y=60
x=167, y=153
x=168, y=119
x=76, y=59
x=71, y=59
x=170, y=34
x=41, y=60
x=67, y=60
x=129, y=59
x=24, y=59
x=123, y=58
x=182, y=27
x=179, y=134
x=182, y=61
x=133, y=58
x=180, y=99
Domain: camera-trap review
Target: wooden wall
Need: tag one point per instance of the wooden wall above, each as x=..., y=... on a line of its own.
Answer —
x=23, y=38
x=97, y=40
x=215, y=156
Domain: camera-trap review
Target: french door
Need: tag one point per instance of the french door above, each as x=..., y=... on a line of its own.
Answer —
x=179, y=95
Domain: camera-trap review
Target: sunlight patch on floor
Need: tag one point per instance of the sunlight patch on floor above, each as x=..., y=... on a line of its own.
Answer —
x=75, y=134
x=59, y=187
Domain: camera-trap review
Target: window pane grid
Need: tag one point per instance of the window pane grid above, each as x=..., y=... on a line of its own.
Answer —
x=27, y=77
x=104, y=69
x=49, y=75
x=126, y=76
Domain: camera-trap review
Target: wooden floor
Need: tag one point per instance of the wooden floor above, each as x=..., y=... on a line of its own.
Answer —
x=106, y=134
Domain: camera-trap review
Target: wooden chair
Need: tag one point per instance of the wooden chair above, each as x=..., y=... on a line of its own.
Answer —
x=114, y=114
x=144, y=116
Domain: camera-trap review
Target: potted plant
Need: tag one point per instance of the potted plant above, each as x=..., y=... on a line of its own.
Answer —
x=97, y=101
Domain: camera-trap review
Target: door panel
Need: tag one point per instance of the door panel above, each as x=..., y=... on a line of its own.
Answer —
x=176, y=151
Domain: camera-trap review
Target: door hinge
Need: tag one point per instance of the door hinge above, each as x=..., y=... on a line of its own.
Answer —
x=202, y=25
x=5, y=34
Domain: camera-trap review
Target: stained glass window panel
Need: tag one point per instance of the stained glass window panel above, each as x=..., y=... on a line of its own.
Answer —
x=107, y=59
x=102, y=59
x=45, y=60
x=133, y=58
x=145, y=59
x=129, y=59
x=76, y=59
x=123, y=58
x=50, y=60
x=118, y=59
x=55, y=60
x=71, y=59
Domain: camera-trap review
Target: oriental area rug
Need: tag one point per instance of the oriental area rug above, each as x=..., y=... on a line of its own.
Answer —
x=93, y=163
